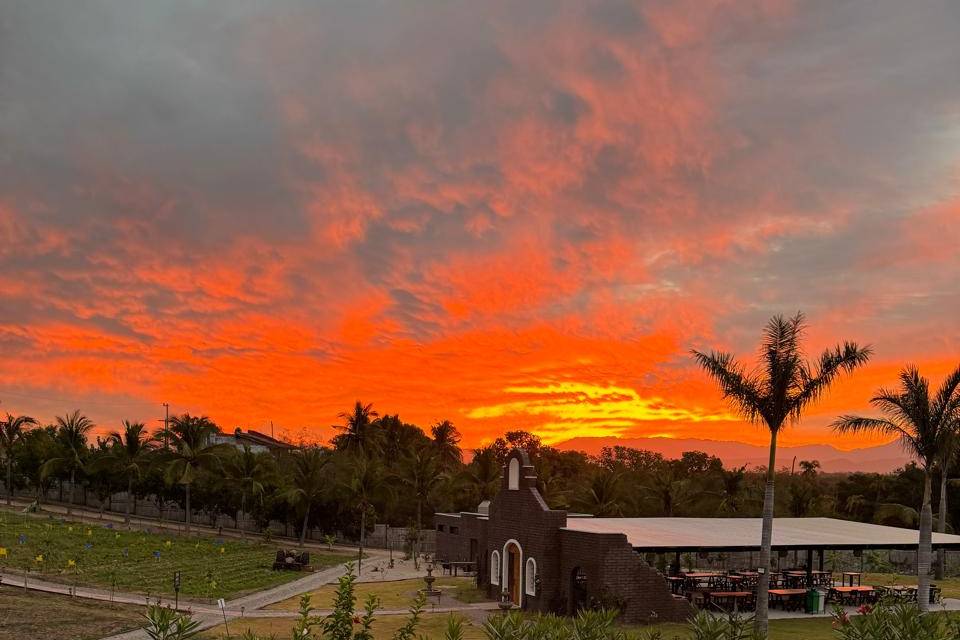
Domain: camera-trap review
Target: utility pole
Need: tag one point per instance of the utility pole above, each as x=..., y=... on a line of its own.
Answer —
x=271, y=428
x=166, y=424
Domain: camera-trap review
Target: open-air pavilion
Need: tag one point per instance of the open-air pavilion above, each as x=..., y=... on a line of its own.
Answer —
x=545, y=559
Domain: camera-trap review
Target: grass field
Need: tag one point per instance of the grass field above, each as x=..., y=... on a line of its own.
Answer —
x=139, y=561
x=28, y=615
x=393, y=594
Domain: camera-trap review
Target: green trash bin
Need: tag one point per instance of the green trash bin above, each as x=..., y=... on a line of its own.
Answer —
x=813, y=601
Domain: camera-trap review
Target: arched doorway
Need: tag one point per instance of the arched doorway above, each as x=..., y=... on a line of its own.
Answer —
x=578, y=590
x=512, y=571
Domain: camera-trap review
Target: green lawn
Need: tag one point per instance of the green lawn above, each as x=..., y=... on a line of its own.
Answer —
x=139, y=561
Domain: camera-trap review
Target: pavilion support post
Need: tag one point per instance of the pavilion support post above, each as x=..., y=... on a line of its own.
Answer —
x=820, y=560
x=676, y=563
x=809, y=567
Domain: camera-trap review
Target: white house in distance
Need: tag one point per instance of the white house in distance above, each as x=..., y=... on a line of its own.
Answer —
x=258, y=442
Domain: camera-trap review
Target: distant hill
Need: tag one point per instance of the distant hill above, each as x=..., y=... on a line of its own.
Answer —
x=881, y=458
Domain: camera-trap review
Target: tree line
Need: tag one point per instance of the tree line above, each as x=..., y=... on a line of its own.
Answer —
x=382, y=469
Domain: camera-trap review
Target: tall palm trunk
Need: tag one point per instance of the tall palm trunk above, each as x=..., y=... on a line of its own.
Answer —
x=761, y=622
x=187, y=514
x=9, y=479
x=72, y=483
x=942, y=522
x=306, y=519
x=126, y=519
x=243, y=511
x=363, y=538
x=923, y=553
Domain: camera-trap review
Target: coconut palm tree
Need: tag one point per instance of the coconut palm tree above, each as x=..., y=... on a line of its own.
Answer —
x=483, y=473
x=926, y=427
x=670, y=488
x=421, y=472
x=248, y=472
x=307, y=481
x=191, y=451
x=11, y=432
x=777, y=391
x=358, y=432
x=732, y=487
x=71, y=435
x=603, y=497
x=446, y=441
x=129, y=453
x=364, y=485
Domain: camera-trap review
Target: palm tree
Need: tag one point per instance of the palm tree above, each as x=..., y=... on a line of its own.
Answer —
x=11, y=432
x=732, y=486
x=446, y=441
x=307, y=480
x=926, y=428
x=603, y=497
x=483, y=473
x=248, y=472
x=364, y=485
x=129, y=454
x=72, y=430
x=421, y=472
x=778, y=390
x=670, y=488
x=191, y=451
x=358, y=432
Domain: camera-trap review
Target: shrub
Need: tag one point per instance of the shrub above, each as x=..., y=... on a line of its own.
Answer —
x=704, y=626
x=902, y=621
x=164, y=623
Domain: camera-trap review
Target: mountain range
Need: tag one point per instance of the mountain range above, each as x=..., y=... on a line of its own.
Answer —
x=881, y=459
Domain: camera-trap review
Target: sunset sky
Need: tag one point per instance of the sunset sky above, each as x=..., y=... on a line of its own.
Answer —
x=506, y=214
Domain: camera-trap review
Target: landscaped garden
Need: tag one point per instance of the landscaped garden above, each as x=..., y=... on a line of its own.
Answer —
x=32, y=614
x=110, y=557
x=433, y=626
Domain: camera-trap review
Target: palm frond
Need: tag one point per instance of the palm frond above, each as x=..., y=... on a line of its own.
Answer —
x=832, y=363
x=735, y=385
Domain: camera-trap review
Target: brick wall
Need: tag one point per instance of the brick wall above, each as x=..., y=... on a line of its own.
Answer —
x=453, y=541
x=616, y=576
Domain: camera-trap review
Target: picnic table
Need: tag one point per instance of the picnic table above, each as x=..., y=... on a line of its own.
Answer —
x=701, y=579
x=730, y=600
x=851, y=575
x=795, y=579
x=904, y=592
x=788, y=599
x=852, y=595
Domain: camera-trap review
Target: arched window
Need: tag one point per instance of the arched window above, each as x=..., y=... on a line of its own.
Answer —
x=495, y=568
x=513, y=474
x=531, y=577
